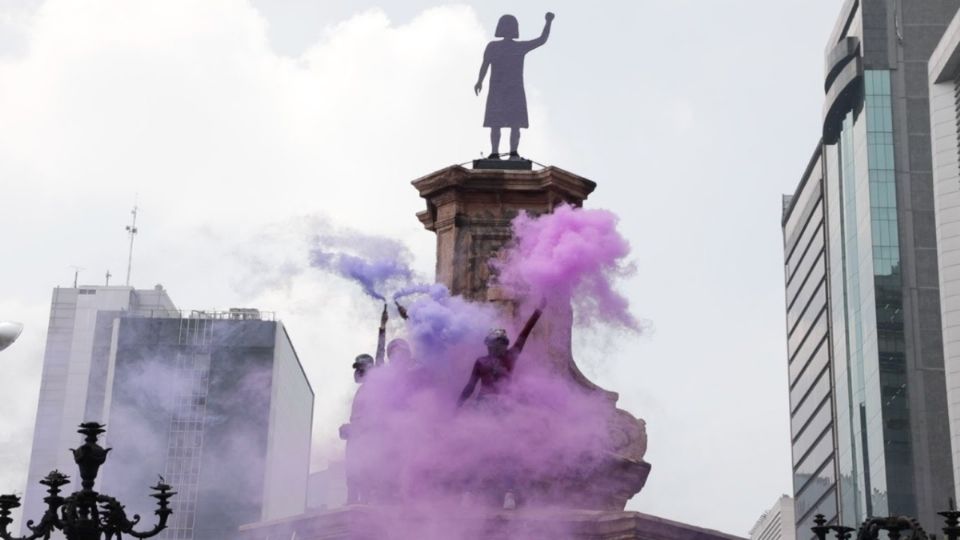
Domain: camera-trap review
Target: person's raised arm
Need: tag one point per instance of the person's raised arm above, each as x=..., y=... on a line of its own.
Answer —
x=381, y=338
x=484, y=66
x=534, y=43
x=527, y=328
x=470, y=387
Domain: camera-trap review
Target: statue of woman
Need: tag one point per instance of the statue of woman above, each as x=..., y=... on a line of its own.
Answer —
x=506, y=100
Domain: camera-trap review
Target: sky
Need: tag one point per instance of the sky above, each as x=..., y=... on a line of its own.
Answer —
x=239, y=127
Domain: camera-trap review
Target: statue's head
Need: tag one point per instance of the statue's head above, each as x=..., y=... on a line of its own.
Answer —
x=497, y=342
x=361, y=365
x=507, y=27
x=399, y=353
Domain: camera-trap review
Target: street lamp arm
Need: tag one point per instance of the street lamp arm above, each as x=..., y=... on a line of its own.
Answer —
x=162, y=495
x=8, y=503
x=160, y=526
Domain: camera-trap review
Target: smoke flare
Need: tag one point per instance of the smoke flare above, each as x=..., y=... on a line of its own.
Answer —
x=374, y=272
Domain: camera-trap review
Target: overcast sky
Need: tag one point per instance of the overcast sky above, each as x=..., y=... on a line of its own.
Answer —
x=239, y=126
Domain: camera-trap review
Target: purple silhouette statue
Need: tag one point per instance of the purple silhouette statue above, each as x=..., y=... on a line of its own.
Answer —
x=506, y=100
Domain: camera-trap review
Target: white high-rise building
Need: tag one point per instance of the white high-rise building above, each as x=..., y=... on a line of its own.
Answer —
x=81, y=323
x=776, y=523
x=944, y=72
x=216, y=402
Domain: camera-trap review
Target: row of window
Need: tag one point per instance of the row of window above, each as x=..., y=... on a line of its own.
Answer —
x=813, y=341
x=186, y=439
x=804, y=411
x=812, y=326
x=801, y=318
x=821, y=421
x=811, y=228
x=820, y=483
x=813, y=369
x=812, y=265
x=186, y=432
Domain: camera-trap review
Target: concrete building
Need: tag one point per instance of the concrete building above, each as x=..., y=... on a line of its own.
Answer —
x=77, y=333
x=776, y=523
x=216, y=402
x=890, y=449
x=944, y=79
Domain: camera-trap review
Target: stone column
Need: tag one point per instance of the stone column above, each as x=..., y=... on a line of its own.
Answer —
x=470, y=211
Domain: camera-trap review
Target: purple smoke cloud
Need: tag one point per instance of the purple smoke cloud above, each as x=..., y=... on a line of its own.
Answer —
x=434, y=290
x=411, y=446
x=571, y=254
x=375, y=271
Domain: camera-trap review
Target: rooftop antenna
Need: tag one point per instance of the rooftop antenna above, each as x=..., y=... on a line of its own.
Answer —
x=132, y=230
x=76, y=274
x=109, y=275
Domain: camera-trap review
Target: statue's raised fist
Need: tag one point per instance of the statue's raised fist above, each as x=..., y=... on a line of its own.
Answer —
x=550, y=16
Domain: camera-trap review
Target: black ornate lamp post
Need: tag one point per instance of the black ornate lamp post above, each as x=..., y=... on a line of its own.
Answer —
x=85, y=514
x=952, y=519
x=894, y=526
x=821, y=529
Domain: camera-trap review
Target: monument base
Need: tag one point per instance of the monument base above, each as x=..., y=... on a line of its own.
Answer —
x=359, y=522
x=503, y=164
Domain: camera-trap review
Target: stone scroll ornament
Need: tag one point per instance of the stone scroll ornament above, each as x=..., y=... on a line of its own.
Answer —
x=506, y=99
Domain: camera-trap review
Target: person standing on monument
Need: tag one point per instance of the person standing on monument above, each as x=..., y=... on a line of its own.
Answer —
x=493, y=371
x=506, y=99
x=356, y=433
x=360, y=432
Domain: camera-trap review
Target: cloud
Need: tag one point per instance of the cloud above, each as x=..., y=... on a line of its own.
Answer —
x=682, y=115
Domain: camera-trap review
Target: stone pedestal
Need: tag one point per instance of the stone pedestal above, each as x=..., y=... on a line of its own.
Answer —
x=471, y=210
x=386, y=523
x=514, y=164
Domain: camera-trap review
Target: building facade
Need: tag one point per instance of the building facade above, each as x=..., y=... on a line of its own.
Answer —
x=76, y=334
x=891, y=451
x=776, y=523
x=215, y=402
x=944, y=80
x=809, y=349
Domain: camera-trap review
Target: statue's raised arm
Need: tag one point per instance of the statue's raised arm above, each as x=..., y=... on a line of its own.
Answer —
x=534, y=43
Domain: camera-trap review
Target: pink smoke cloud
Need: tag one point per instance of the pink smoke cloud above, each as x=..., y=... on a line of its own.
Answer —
x=538, y=438
x=570, y=255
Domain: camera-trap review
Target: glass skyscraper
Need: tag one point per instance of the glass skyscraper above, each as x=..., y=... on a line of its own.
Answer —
x=890, y=449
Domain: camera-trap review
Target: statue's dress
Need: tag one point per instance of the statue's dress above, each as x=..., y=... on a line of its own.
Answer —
x=506, y=100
